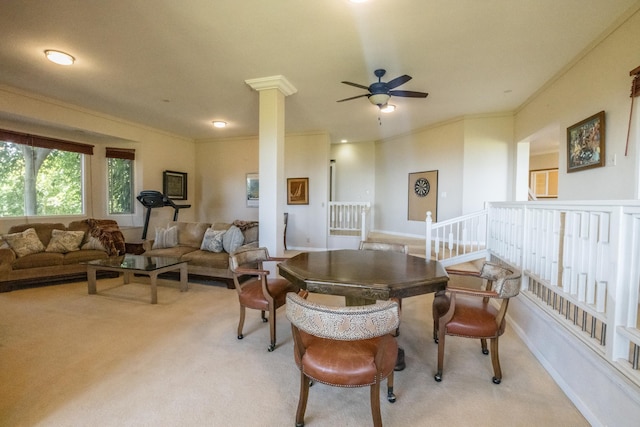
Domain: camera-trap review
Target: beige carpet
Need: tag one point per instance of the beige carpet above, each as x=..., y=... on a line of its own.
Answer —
x=112, y=359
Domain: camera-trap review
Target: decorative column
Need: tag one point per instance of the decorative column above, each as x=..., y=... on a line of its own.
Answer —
x=271, y=159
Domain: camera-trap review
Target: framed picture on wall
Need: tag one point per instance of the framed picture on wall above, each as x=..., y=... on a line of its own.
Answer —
x=297, y=191
x=253, y=190
x=423, y=195
x=174, y=185
x=585, y=143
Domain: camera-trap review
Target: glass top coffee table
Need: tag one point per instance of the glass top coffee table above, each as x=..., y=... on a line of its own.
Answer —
x=138, y=264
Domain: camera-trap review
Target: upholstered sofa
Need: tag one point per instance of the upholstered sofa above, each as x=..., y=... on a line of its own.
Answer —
x=44, y=253
x=204, y=246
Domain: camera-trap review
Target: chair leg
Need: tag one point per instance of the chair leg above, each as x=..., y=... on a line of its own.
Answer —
x=375, y=404
x=263, y=316
x=241, y=323
x=272, y=328
x=391, y=397
x=441, y=335
x=400, y=309
x=483, y=343
x=305, y=383
x=495, y=361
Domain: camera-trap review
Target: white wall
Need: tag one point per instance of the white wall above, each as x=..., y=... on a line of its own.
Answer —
x=355, y=171
x=489, y=159
x=598, y=81
x=307, y=155
x=222, y=166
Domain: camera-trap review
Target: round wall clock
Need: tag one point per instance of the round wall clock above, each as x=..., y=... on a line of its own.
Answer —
x=421, y=187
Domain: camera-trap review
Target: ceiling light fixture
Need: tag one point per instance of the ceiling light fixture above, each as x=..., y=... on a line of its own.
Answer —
x=379, y=99
x=219, y=124
x=58, y=57
x=388, y=108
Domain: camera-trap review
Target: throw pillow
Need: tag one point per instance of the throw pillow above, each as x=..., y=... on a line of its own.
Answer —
x=212, y=240
x=232, y=239
x=166, y=237
x=94, y=243
x=63, y=241
x=24, y=243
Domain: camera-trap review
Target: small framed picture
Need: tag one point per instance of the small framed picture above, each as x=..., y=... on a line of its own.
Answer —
x=174, y=185
x=297, y=191
x=253, y=190
x=585, y=144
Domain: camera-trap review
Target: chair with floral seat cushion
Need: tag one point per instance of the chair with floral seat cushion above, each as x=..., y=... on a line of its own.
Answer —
x=256, y=289
x=344, y=347
x=469, y=313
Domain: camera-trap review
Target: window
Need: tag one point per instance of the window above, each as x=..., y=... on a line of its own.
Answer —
x=40, y=176
x=120, y=180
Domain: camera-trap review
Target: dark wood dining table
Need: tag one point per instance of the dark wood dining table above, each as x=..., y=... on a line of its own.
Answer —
x=364, y=276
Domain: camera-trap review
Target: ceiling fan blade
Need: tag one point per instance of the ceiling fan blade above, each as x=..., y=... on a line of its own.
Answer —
x=357, y=85
x=408, y=93
x=353, y=97
x=398, y=81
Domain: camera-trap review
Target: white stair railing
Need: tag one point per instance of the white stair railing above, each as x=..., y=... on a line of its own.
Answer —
x=349, y=218
x=457, y=240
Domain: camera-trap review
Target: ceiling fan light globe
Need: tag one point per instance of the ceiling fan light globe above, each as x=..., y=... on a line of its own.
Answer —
x=379, y=99
x=387, y=108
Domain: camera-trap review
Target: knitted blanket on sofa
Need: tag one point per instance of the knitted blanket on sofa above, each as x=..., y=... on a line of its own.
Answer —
x=109, y=234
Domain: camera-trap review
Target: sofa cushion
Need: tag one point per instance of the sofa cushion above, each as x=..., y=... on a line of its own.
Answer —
x=41, y=259
x=43, y=230
x=232, y=239
x=175, y=252
x=65, y=241
x=212, y=240
x=166, y=237
x=83, y=256
x=190, y=233
x=25, y=242
x=207, y=259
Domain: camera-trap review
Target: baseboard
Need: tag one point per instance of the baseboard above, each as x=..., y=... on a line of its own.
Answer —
x=604, y=396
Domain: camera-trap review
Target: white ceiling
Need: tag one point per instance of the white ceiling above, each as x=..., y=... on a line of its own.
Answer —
x=178, y=65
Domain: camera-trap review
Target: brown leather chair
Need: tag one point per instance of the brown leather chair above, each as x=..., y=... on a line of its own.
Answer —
x=468, y=313
x=256, y=290
x=344, y=347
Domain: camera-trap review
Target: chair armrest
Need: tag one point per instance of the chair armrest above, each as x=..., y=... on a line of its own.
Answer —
x=472, y=292
x=277, y=259
x=252, y=271
x=463, y=272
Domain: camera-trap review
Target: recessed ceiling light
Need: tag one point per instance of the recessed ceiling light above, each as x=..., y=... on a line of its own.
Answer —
x=343, y=141
x=219, y=124
x=58, y=57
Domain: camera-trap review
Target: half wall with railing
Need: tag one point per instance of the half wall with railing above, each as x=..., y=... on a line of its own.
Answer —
x=580, y=265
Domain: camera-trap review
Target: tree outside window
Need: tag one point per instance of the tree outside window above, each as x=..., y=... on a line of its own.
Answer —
x=120, y=184
x=36, y=180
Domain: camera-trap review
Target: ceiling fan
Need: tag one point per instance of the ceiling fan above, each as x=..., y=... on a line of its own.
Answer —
x=380, y=92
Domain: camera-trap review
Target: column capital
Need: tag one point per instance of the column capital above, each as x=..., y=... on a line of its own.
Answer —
x=274, y=82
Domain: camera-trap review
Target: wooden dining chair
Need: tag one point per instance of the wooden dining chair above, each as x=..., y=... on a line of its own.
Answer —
x=256, y=289
x=469, y=313
x=344, y=347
